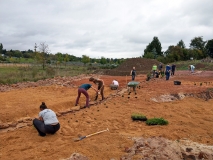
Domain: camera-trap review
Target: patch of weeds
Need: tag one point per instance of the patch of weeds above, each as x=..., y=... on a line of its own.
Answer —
x=138, y=116
x=157, y=121
x=106, y=106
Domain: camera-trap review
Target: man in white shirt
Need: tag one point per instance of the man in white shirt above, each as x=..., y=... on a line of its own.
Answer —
x=114, y=85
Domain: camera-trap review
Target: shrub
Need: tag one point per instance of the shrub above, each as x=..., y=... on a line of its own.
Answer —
x=156, y=121
x=138, y=116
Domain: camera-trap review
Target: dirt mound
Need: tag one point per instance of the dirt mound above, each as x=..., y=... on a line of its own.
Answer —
x=161, y=148
x=142, y=65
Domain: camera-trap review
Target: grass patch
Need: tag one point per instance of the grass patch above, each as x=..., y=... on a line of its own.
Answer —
x=11, y=74
x=138, y=116
x=157, y=121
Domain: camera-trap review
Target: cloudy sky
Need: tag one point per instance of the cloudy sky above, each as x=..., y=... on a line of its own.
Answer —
x=108, y=28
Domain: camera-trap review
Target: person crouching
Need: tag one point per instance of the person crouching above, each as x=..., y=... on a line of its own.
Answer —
x=47, y=121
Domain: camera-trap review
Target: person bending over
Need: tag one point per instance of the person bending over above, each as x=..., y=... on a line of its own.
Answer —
x=83, y=89
x=47, y=121
x=100, y=84
x=114, y=84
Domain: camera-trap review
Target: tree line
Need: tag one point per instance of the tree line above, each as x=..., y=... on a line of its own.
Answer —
x=42, y=55
x=198, y=49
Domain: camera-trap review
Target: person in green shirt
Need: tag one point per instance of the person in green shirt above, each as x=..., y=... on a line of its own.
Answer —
x=154, y=69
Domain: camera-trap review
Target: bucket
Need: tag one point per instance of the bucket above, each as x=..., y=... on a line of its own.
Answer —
x=177, y=82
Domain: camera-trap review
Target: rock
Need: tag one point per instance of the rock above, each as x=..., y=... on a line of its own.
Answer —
x=77, y=156
x=4, y=125
x=25, y=119
x=58, y=114
x=12, y=124
x=76, y=108
x=202, y=155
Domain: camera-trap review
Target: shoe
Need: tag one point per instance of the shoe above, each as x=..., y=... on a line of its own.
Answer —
x=42, y=134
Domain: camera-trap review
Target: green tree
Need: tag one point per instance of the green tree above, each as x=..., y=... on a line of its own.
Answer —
x=59, y=58
x=209, y=48
x=1, y=48
x=103, y=60
x=198, y=43
x=149, y=55
x=154, y=44
x=181, y=44
x=66, y=59
x=85, y=59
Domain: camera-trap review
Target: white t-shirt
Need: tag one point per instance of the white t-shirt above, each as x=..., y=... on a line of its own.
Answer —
x=193, y=67
x=115, y=82
x=48, y=116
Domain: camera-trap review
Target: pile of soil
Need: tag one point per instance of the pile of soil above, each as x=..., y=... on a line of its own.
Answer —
x=142, y=65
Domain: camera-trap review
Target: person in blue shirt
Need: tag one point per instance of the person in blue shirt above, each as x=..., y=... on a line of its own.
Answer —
x=83, y=89
x=167, y=71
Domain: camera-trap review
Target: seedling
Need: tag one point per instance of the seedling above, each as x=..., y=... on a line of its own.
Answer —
x=157, y=121
x=138, y=116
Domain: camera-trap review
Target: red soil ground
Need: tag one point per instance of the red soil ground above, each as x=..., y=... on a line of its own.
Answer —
x=189, y=118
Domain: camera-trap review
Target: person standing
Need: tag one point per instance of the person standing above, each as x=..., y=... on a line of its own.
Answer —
x=154, y=69
x=167, y=71
x=133, y=73
x=173, y=69
x=160, y=67
x=100, y=84
x=83, y=89
x=47, y=121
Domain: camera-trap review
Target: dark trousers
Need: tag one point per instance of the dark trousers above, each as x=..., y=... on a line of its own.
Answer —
x=82, y=90
x=43, y=129
x=167, y=75
x=173, y=73
x=133, y=77
x=101, y=92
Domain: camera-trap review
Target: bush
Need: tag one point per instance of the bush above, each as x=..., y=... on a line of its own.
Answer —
x=156, y=121
x=138, y=116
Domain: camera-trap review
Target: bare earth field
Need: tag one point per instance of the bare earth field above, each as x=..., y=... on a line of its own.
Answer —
x=188, y=108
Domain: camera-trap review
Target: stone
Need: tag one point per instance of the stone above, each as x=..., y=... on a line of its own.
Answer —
x=76, y=108
x=4, y=125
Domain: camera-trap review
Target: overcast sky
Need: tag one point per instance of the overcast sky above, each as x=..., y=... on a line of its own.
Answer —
x=108, y=28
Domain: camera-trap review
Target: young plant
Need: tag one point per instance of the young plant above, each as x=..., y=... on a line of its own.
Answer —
x=157, y=121
x=138, y=116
